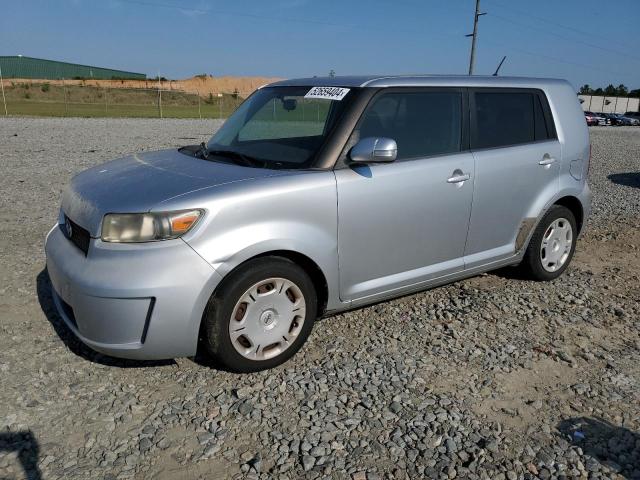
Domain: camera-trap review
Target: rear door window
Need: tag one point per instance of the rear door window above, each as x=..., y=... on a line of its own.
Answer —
x=505, y=118
x=423, y=124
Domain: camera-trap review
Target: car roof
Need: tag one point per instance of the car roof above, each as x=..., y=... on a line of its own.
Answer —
x=419, y=81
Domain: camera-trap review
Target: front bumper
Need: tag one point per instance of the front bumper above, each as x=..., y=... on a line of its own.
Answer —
x=140, y=301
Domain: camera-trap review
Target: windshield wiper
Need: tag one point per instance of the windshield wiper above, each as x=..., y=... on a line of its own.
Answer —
x=237, y=157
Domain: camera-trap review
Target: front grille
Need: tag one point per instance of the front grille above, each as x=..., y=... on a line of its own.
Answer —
x=79, y=236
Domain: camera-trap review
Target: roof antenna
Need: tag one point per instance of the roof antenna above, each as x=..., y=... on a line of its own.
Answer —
x=495, y=74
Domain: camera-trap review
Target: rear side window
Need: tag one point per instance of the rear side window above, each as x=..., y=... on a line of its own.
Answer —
x=422, y=123
x=508, y=118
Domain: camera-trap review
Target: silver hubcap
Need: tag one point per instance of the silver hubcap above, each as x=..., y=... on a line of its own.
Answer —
x=267, y=319
x=556, y=245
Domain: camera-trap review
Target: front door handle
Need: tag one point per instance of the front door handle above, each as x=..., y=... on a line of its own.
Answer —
x=547, y=160
x=458, y=177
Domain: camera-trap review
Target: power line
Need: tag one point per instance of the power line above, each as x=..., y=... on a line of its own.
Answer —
x=548, y=32
x=239, y=14
x=557, y=60
x=557, y=24
x=368, y=27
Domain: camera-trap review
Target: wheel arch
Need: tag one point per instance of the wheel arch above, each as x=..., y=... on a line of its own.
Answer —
x=529, y=224
x=574, y=205
x=305, y=262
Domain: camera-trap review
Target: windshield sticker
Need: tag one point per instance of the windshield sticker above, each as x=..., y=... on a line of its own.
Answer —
x=328, y=93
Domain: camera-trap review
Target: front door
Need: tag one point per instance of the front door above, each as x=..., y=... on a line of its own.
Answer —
x=404, y=223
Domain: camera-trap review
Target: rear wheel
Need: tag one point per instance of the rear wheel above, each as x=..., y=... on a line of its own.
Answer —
x=552, y=245
x=261, y=315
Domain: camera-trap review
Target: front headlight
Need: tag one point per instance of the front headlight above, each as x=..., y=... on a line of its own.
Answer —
x=148, y=227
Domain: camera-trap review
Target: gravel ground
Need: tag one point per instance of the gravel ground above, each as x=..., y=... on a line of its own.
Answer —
x=491, y=378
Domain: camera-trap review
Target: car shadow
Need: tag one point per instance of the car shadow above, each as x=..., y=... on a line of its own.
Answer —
x=616, y=447
x=43, y=289
x=510, y=272
x=26, y=446
x=203, y=359
x=628, y=179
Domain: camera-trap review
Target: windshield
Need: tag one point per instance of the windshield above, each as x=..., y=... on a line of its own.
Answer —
x=280, y=127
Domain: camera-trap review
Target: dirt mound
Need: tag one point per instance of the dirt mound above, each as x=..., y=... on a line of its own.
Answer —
x=208, y=84
x=202, y=85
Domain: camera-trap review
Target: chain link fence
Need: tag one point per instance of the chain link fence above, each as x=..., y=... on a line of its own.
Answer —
x=89, y=101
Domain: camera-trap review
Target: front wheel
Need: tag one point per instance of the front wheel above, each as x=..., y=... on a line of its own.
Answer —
x=552, y=245
x=260, y=315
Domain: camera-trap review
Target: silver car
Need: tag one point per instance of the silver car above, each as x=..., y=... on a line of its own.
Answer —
x=316, y=196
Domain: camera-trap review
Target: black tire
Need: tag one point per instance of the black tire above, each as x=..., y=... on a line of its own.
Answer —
x=531, y=266
x=217, y=315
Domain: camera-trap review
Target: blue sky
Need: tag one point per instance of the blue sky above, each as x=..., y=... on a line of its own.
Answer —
x=584, y=41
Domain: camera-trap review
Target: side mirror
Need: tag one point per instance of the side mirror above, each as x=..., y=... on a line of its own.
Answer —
x=374, y=150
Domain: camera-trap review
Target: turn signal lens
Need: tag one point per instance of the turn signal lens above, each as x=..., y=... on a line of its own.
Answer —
x=182, y=223
x=148, y=227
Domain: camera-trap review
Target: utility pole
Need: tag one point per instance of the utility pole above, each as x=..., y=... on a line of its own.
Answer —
x=64, y=93
x=4, y=100
x=474, y=36
x=159, y=95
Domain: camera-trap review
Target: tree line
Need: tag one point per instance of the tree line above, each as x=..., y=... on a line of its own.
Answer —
x=610, y=91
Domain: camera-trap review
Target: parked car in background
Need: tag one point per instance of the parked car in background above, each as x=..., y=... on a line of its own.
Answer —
x=612, y=118
x=633, y=115
x=591, y=118
x=282, y=217
x=620, y=120
x=617, y=119
x=602, y=121
x=603, y=117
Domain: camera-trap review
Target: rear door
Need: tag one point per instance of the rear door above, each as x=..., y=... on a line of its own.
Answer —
x=406, y=222
x=518, y=156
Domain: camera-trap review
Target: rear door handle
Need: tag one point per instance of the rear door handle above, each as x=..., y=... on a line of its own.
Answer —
x=457, y=178
x=546, y=160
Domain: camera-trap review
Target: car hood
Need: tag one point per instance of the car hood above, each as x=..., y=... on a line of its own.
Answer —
x=138, y=182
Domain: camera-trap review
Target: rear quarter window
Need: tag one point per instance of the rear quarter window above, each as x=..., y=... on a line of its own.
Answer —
x=509, y=117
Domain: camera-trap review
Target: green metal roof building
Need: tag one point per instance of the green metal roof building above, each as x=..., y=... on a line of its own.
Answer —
x=28, y=67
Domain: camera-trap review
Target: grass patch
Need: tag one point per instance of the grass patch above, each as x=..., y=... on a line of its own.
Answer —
x=81, y=101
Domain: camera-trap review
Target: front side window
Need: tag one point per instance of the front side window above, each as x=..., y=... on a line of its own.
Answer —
x=277, y=127
x=423, y=124
x=508, y=118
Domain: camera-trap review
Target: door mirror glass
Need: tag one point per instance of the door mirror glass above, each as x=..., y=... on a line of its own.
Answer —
x=374, y=150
